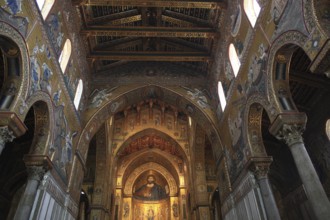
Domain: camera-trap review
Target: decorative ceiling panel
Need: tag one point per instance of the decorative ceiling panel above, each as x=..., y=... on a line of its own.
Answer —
x=118, y=32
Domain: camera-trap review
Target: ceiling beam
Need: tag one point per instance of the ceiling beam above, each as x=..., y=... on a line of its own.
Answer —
x=113, y=43
x=121, y=46
x=125, y=20
x=178, y=22
x=184, y=43
x=110, y=18
x=151, y=56
x=149, y=32
x=208, y=4
x=187, y=18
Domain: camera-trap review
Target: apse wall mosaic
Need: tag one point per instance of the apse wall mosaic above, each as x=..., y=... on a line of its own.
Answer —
x=170, y=111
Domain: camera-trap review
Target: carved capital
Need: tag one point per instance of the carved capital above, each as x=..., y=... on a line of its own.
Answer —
x=13, y=122
x=291, y=134
x=260, y=166
x=38, y=161
x=6, y=135
x=36, y=172
x=37, y=166
x=289, y=127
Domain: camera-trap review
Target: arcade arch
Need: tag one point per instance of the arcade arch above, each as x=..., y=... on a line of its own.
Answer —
x=291, y=76
x=16, y=164
x=14, y=66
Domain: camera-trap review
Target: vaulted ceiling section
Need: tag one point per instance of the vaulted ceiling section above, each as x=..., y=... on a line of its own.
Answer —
x=122, y=31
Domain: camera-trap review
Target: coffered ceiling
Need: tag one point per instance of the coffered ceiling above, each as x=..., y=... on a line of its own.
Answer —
x=120, y=31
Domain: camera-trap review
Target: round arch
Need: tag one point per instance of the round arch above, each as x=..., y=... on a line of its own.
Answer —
x=178, y=96
x=43, y=110
x=169, y=164
x=278, y=65
x=124, y=96
x=314, y=16
x=252, y=133
x=19, y=86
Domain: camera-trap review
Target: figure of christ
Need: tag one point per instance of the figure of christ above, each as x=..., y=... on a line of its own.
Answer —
x=150, y=191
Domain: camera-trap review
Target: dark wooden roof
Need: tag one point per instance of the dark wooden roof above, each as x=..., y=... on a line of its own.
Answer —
x=121, y=31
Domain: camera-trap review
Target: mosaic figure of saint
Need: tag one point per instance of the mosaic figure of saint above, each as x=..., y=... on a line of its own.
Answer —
x=150, y=191
x=150, y=214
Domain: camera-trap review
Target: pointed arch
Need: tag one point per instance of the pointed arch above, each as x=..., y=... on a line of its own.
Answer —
x=133, y=161
x=128, y=95
x=156, y=132
x=124, y=96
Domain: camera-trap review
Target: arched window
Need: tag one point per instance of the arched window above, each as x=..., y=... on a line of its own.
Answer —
x=252, y=10
x=45, y=6
x=78, y=94
x=327, y=128
x=222, y=96
x=234, y=60
x=65, y=55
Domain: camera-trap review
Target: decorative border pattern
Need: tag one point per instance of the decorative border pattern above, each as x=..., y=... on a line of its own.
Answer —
x=45, y=98
x=121, y=100
x=11, y=33
x=309, y=15
x=121, y=171
x=253, y=122
x=291, y=37
x=55, y=62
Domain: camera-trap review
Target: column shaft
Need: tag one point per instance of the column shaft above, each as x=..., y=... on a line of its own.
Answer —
x=269, y=200
x=26, y=202
x=289, y=128
x=313, y=187
x=27, y=199
x=260, y=168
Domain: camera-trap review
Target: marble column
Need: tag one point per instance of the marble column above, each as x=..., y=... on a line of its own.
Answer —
x=35, y=174
x=290, y=129
x=260, y=168
x=6, y=135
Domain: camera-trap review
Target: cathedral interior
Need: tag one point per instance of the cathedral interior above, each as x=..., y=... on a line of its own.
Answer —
x=165, y=109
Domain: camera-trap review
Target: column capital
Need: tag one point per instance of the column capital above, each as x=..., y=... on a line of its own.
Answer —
x=288, y=127
x=31, y=160
x=35, y=172
x=260, y=166
x=6, y=135
x=13, y=122
x=37, y=166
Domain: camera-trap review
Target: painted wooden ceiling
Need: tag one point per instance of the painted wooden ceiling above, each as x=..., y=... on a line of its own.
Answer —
x=121, y=31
